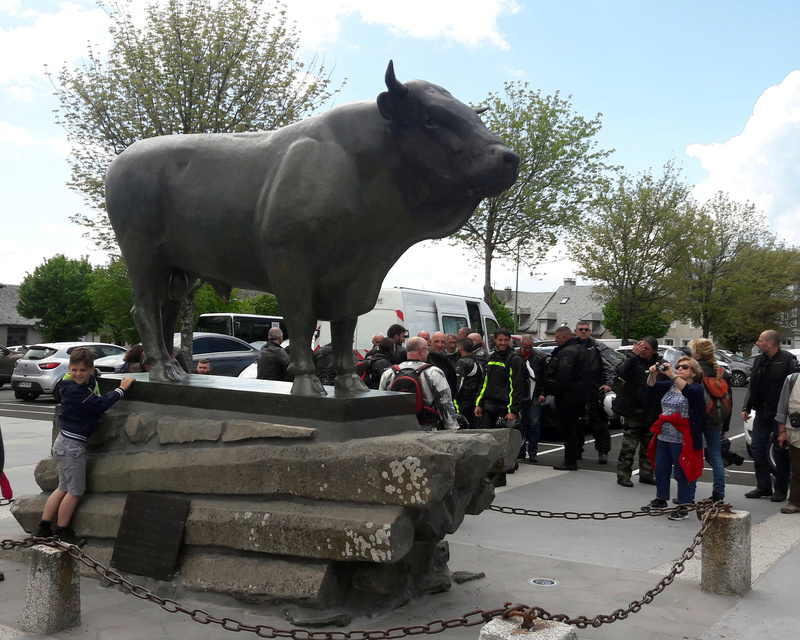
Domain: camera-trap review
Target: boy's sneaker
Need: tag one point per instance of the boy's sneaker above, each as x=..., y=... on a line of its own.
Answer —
x=657, y=503
x=68, y=536
x=681, y=514
x=42, y=532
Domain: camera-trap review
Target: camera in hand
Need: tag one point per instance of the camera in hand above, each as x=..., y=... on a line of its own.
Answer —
x=660, y=366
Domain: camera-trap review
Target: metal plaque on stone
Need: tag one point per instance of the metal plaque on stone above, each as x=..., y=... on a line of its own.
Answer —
x=150, y=535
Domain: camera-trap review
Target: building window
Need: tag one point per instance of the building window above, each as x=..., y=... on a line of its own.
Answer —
x=668, y=342
x=685, y=342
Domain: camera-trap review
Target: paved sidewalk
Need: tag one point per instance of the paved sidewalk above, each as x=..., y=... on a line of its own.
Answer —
x=598, y=567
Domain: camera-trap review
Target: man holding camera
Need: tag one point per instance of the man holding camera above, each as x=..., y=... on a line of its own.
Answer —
x=639, y=408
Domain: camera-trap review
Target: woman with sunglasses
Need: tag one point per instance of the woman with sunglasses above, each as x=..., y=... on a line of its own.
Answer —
x=678, y=445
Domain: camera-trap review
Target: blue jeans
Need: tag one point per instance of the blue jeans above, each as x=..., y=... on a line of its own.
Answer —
x=668, y=456
x=714, y=446
x=764, y=425
x=531, y=428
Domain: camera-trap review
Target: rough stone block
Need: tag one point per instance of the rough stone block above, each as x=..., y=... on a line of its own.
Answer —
x=46, y=474
x=323, y=530
x=178, y=430
x=510, y=629
x=726, y=567
x=394, y=470
x=309, y=583
x=108, y=429
x=52, y=595
x=139, y=429
x=248, y=429
x=509, y=439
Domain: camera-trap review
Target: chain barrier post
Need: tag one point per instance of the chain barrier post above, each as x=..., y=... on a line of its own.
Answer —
x=53, y=592
x=512, y=629
x=725, y=564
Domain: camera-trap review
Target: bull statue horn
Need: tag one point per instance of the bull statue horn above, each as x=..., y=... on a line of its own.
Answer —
x=392, y=83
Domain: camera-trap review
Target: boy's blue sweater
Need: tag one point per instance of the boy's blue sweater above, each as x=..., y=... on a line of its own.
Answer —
x=81, y=406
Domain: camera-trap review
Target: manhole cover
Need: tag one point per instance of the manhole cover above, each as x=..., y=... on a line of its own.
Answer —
x=543, y=582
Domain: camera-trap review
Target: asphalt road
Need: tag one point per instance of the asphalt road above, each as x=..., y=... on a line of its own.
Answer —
x=550, y=451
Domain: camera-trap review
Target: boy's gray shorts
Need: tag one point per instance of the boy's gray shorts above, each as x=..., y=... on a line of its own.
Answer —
x=71, y=457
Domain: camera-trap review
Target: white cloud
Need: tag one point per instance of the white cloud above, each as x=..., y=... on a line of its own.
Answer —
x=12, y=135
x=468, y=22
x=762, y=164
x=48, y=38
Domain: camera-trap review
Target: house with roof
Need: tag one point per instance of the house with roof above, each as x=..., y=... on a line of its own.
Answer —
x=541, y=313
x=14, y=329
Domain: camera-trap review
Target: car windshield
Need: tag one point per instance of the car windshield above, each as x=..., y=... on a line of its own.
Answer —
x=39, y=352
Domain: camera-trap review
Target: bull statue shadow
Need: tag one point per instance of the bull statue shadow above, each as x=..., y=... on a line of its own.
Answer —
x=316, y=212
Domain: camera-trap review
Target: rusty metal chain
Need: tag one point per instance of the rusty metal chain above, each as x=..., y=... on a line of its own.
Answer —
x=706, y=511
x=699, y=507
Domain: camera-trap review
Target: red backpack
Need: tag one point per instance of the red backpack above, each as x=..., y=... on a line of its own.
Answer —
x=718, y=399
x=408, y=381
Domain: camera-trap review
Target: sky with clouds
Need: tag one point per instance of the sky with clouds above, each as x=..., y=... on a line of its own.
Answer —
x=714, y=84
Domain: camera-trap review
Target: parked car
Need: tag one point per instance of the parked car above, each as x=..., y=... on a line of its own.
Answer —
x=229, y=356
x=748, y=438
x=740, y=370
x=43, y=365
x=8, y=359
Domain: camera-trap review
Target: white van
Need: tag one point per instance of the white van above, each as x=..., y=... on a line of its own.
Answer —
x=415, y=310
x=420, y=310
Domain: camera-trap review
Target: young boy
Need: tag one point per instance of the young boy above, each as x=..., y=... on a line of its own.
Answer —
x=81, y=406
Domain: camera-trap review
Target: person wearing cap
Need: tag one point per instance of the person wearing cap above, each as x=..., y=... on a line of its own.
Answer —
x=639, y=408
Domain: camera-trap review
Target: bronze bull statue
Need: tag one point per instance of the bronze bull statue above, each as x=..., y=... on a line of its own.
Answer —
x=316, y=212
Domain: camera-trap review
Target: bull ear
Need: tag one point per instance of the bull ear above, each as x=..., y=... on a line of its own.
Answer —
x=390, y=103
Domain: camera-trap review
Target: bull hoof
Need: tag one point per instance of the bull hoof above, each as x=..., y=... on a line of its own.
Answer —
x=308, y=385
x=167, y=372
x=350, y=383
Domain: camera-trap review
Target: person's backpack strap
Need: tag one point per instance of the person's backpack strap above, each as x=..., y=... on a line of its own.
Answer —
x=793, y=380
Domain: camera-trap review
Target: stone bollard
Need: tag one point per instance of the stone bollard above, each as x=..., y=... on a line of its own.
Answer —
x=509, y=629
x=726, y=555
x=53, y=594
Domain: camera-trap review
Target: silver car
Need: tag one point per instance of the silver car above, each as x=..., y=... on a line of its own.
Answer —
x=43, y=365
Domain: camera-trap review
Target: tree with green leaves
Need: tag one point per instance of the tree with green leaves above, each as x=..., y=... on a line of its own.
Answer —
x=650, y=324
x=561, y=170
x=502, y=314
x=737, y=278
x=638, y=231
x=110, y=292
x=194, y=66
x=765, y=294
x=264, y=304
x=56, y=294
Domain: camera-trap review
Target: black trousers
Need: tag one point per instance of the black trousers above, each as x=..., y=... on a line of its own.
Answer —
x=569, y=413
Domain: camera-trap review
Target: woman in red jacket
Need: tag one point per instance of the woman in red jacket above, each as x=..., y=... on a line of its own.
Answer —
x=678, y=445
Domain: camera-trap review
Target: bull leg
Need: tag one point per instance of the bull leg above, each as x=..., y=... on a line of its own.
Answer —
x=342, y=332
x=151, y=313
x=301, y=324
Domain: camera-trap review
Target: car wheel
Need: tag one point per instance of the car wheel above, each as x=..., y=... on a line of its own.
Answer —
x=28, y=396
x=738, y=379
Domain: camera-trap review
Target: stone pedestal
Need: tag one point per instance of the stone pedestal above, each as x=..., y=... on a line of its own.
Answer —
x=726, y=555
x=510, y=629
x=314, y=501
x=53, y=593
